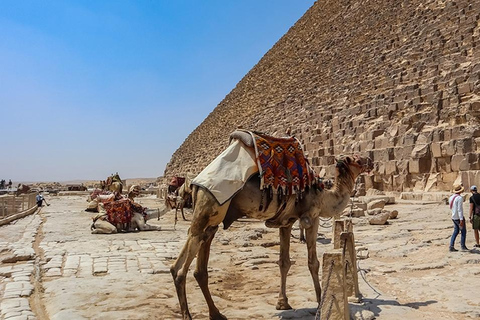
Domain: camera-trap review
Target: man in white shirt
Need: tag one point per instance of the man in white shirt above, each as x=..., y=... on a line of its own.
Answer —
x=456, y=206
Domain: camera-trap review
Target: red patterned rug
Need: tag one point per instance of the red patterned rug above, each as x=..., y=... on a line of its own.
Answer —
x=282, y=164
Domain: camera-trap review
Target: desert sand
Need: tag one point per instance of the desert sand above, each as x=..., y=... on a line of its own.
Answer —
x=52, y=267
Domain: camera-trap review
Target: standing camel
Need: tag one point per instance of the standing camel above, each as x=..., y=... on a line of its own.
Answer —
x=184, y=194
x=208, y=214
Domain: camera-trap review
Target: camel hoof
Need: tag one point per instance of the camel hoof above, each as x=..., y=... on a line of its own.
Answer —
x=283, y=305
x=218, y=316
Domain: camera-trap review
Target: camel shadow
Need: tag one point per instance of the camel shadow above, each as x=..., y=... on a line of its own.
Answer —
x=303, y=313
x=374, y=305
x=324, y=240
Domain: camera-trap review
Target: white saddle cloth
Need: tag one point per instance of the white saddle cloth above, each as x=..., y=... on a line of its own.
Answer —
x=228, y=173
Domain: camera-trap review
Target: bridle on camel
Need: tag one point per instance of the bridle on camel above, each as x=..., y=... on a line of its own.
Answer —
x=354, y=163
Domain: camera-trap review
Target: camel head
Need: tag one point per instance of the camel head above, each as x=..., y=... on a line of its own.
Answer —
x=353, y=166
x=134, y=191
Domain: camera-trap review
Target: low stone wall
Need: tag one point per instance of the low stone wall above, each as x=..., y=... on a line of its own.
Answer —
x=19, y=215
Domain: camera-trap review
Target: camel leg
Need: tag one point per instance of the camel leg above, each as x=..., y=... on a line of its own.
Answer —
x=102, y=226
x=302, y=234
x=181, y=210
x=179, y=271
x=206, y=218
x=313, y=264
x=201, y=274
x=284, y=264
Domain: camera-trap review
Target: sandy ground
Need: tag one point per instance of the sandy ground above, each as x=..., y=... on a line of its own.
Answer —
x=409, y=273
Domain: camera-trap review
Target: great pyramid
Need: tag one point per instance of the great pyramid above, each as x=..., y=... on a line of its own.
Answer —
x=396, y=80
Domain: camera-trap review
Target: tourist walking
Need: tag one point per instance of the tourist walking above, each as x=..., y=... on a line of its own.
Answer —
x=456, y=206
x=475, y=213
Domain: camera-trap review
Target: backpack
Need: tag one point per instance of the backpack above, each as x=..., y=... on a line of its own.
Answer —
x=477, y=207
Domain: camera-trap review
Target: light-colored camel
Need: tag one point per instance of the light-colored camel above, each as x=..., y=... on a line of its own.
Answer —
x=138, y=221
x=208, y=214
x=114, y=184
x=184, y=194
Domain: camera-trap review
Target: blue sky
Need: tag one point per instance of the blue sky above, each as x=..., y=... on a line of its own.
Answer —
x=88, y=88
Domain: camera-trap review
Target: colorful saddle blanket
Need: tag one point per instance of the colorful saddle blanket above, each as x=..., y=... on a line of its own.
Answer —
x=282, y=164
x=121, y=211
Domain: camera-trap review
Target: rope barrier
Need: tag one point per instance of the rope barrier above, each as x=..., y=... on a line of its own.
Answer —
x=322, y=299
x=362, y=274
x=329, y=312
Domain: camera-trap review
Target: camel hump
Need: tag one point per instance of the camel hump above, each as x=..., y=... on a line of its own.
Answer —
x=243, y=136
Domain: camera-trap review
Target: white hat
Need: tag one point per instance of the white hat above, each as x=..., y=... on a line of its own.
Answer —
x=473, y=188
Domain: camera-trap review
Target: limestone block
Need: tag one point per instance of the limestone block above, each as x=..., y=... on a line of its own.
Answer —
x=425, y=137
x=379, y=219
x=393, y=214
x=380, y=155
x=464, y=88
x=360, y=204
x=359, y=312
x=398, y=153
x=422, y=165
x=410, y=138
x=376, y=204
x=459, y=163
x=460, y=132
x=403, y=166
x=374, y=212
x=473, y=161
x=375, y=192
x=448, y=148
x=368, y=182
x=447, y=134
x=355, y=212
x=436, y=149
x=444, y=164
x=464, y=146
x=420, y=151
x=438, y=135
x=390, y=167
x=377, y=177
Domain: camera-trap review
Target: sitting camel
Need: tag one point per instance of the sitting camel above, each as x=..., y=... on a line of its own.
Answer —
x=139, y=215
x=209, y=213
x=114, y=184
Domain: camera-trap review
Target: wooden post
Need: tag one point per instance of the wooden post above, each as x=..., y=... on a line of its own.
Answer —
x=14, y=199
x=348, y=226
x=4, y=207
x=338, y=228
x=334, y=304
x=350, y=255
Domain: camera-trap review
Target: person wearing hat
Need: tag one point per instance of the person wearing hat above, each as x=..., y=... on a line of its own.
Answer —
x=475, y=213
x=456, y=206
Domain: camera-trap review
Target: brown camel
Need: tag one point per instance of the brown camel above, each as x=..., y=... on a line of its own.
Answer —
x=208, y=214
x=184, y=194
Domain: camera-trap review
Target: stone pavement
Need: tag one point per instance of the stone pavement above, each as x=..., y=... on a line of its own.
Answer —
x=54, y=249
x=52, y=267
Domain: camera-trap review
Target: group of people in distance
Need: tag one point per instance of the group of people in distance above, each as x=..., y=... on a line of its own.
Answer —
x=459, y=222
x=5, y=185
